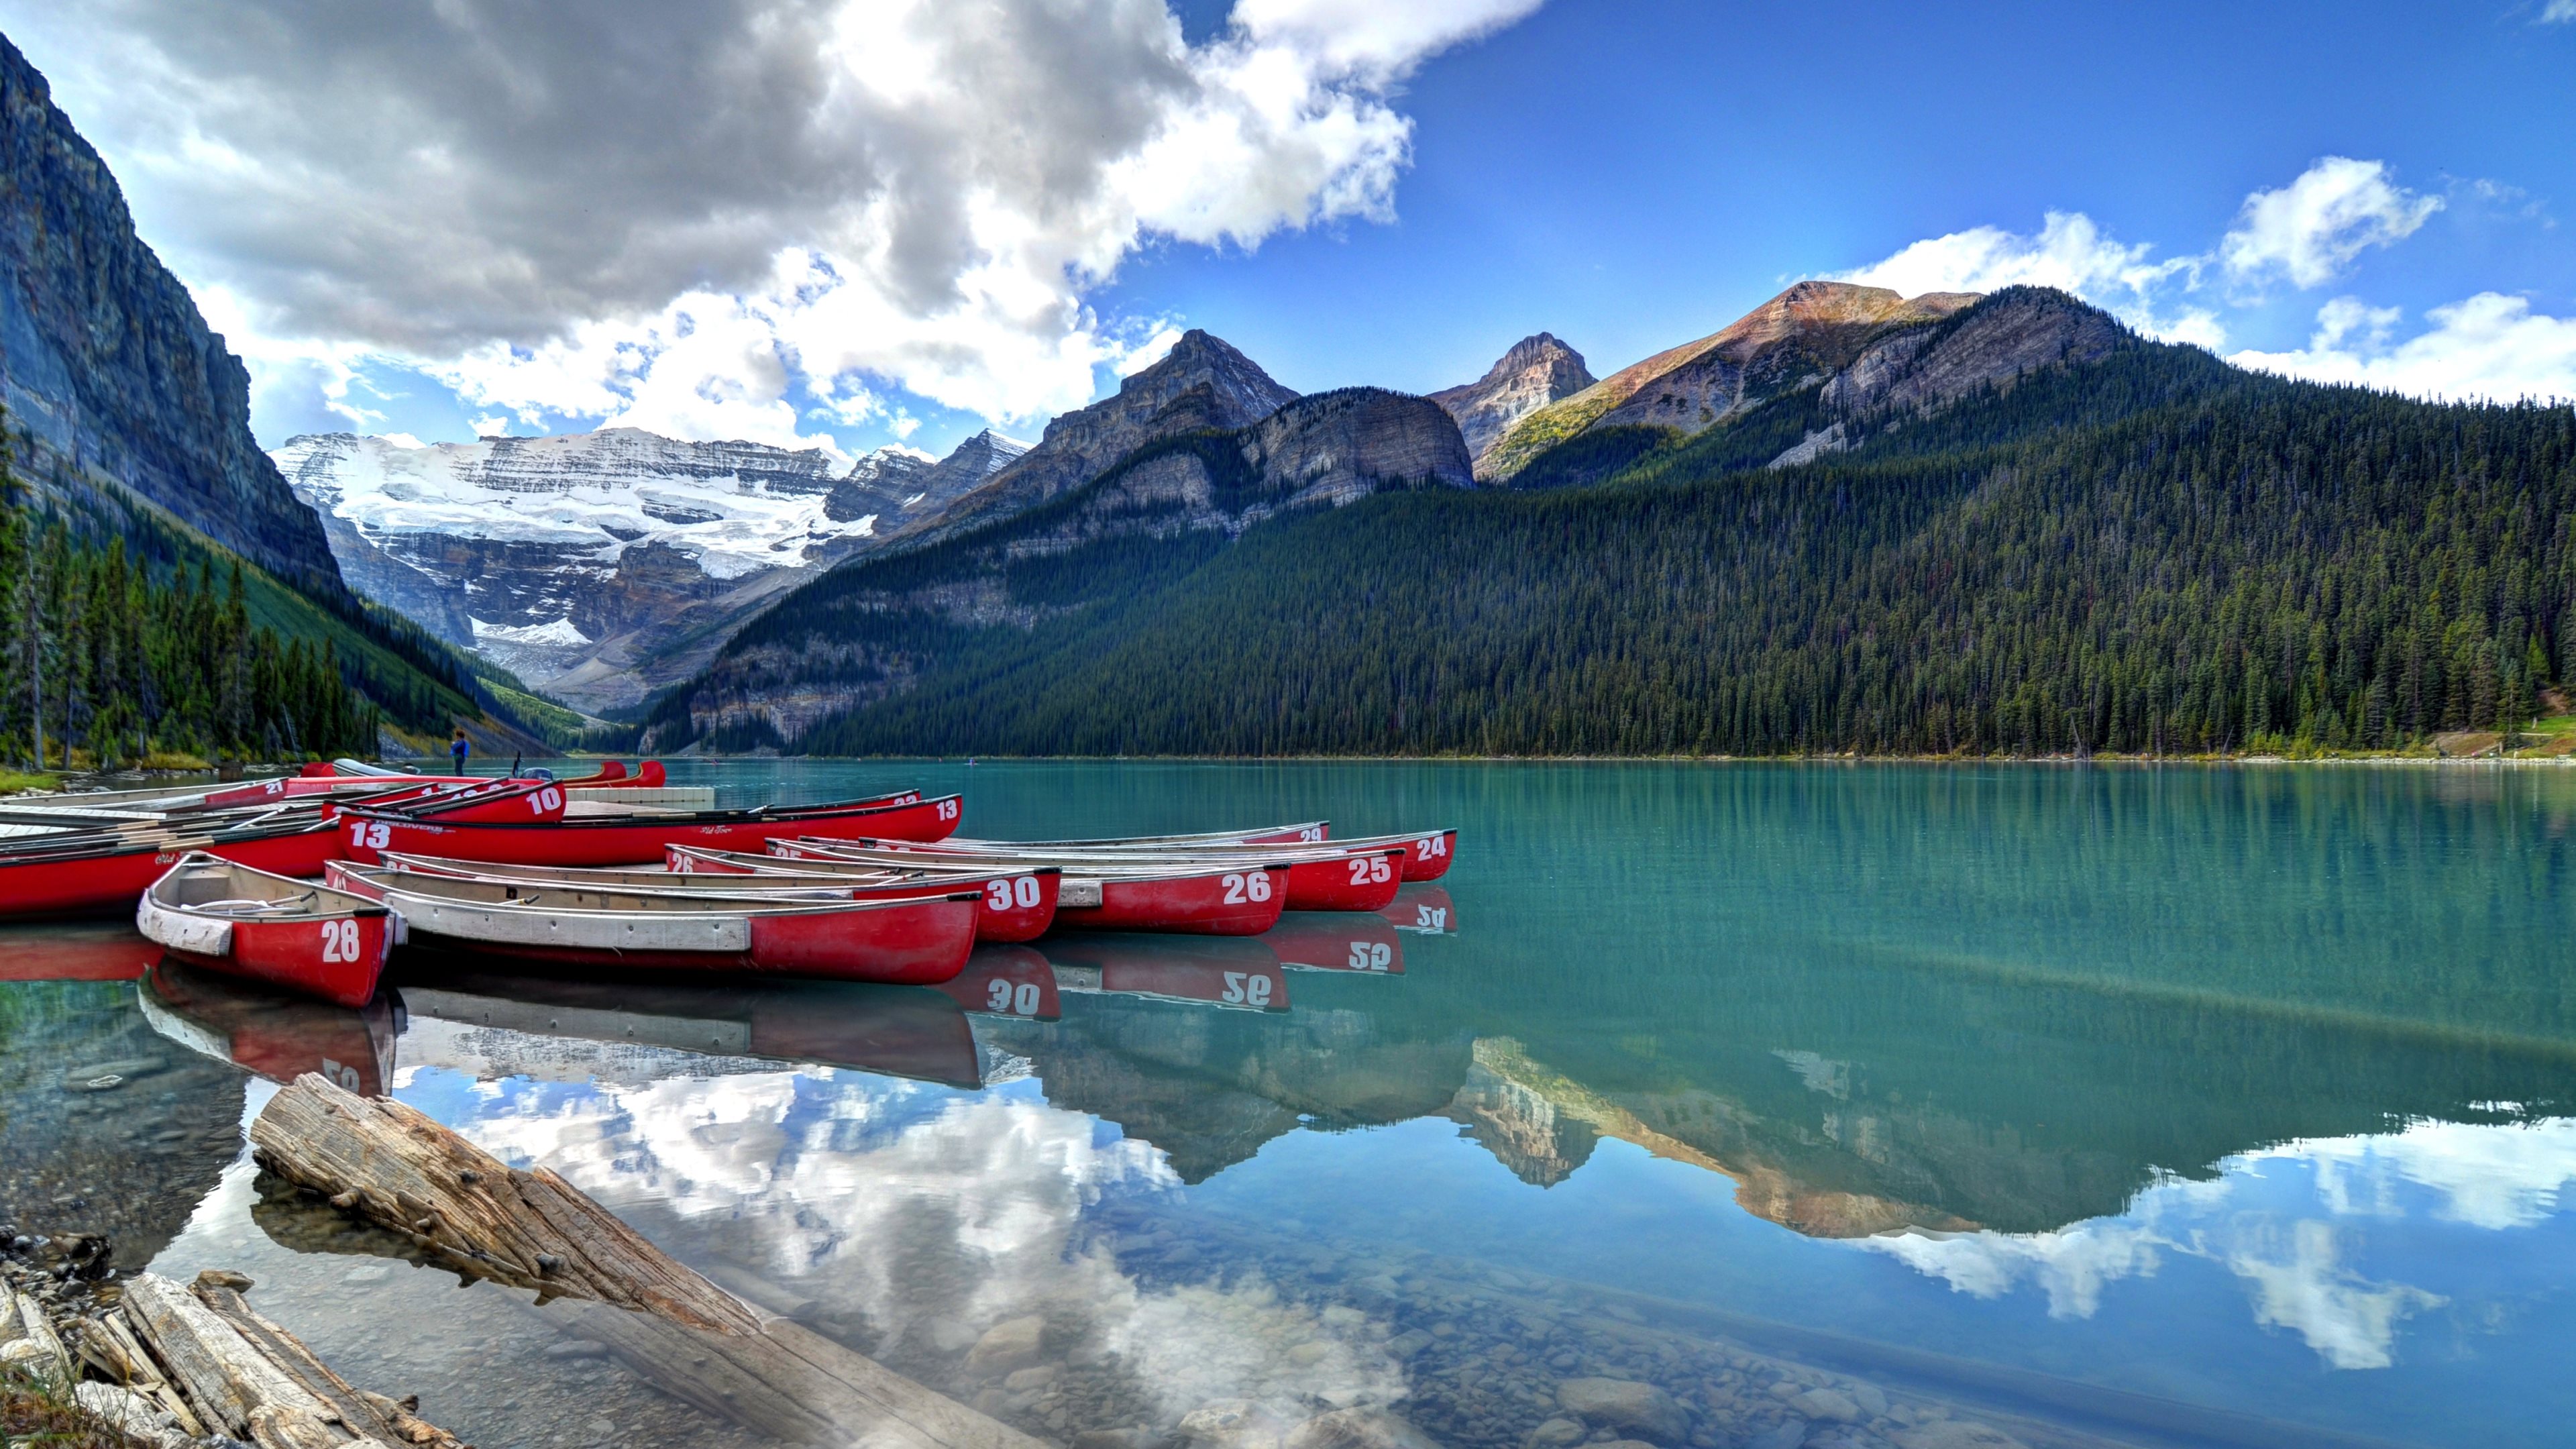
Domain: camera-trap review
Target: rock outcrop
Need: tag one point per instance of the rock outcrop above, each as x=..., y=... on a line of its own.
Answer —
x=599, y=565
x=1863, y=349
x=1537, y=371
x=1201, y=385
x=107, y=366
x=896, y=488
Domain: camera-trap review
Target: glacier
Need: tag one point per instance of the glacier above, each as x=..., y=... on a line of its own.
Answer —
x=600, y=565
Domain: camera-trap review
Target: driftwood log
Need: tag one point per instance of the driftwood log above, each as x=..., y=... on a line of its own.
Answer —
x=393, y=1166
x=599, y=1280
x=202, y=1359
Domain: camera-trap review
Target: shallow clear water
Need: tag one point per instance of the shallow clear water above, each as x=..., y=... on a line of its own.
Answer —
x=2140, y=1105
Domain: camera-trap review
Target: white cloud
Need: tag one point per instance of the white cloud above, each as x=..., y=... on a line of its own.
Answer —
x=2489, y=346
x=2071, y=1266
x=2559, y=12
x=2071, y=253
x=2311, y=229
x=2496, y=1177
x=2300, y=1284
x=739, y=197
x=929, y=1214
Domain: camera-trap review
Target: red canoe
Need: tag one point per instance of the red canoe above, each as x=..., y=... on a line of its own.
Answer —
x=1202, y=900
x=911, y=941
x=106, y=878
x=642, y=839
x=1326, y=877
x=230, y=918
x=1019, y=905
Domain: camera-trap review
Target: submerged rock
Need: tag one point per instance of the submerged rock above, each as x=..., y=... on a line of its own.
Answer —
x=1359, y=1428
x=1619, y=1404
x=1006, y=1346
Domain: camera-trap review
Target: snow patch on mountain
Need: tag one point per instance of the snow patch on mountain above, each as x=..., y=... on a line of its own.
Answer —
x=735, y=508
x=601, y=566
x=560, y=634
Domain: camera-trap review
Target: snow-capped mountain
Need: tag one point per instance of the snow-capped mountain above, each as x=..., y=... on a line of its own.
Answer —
x=582, y=561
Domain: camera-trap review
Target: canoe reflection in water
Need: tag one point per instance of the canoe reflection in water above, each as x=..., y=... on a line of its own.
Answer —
x=1013, y=981
x=274, y=1033
x=1425, y=910
x=1235, y=972
x=554, y=1028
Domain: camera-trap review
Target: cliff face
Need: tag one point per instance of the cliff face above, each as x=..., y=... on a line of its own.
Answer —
x=1537, y=371
x=1201, y=384
x=106, y=363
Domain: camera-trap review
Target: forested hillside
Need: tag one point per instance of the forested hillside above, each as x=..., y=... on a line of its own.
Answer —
x=106, y=660
x=2149, y=553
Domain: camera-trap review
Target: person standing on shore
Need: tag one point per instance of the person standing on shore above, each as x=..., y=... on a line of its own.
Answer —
x=459, y=747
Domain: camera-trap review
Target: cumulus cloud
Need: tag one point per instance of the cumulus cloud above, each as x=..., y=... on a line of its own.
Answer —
x=2311, y=229
x=664, y=213
x=2490, y=346
x=2071, y=253
x=2292, y=1261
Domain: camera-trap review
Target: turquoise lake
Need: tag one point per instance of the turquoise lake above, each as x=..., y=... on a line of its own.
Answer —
x=2049, y=1105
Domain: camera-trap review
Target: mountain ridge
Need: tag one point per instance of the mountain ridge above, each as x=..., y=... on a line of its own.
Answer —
x=1810, y=331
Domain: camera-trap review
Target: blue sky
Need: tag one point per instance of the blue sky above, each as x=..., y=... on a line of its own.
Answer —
x=980, y=212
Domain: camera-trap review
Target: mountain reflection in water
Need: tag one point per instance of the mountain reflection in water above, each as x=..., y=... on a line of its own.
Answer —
x=2235, y=1089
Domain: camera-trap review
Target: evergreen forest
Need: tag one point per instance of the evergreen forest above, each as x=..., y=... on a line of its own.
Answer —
x=113, y=662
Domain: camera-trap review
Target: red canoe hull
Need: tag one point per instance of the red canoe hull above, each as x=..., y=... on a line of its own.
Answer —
x=91, y=885
x=642, y=841
x=338, y=960
x=1428, y=856
x=920, y=943
x=1354, y=883
x=1230, y=903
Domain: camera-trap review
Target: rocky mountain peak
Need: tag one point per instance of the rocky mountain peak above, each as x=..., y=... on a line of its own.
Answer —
x=1202, y=384
x=1535, y=371
x=1242, y=393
